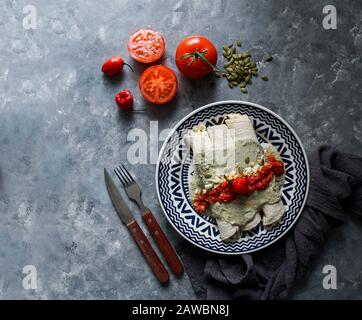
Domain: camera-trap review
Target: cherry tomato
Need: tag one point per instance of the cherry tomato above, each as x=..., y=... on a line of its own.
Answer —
x=196, y=57
x=271, y=158
x=240, y=186
x=227, y=191
x=278, y=168
x=200, y=203
x=124, y=100
x=227, y=195
x=250, y=190
x=268, y=178
x=158, y=84
x=266, y=168
x=113, y=66
x=254, y=179
x=146, y=45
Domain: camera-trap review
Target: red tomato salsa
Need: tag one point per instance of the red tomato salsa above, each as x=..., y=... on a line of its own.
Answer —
x=227, y=191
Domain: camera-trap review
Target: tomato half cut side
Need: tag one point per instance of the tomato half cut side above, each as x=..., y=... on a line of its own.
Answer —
x=146, y=45
x=158, y=84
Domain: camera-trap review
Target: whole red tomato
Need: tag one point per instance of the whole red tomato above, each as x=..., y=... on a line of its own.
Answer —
x=196, y=57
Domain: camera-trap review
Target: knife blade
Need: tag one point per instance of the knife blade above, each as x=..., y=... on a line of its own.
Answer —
x=119, y=204
x=139, y=237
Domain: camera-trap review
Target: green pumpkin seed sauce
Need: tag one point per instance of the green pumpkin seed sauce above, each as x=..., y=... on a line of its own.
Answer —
x=249, y=156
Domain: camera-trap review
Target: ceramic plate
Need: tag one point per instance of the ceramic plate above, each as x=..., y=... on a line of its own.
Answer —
x=175, y=167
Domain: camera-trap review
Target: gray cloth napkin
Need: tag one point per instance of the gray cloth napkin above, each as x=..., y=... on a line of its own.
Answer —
x=335, y=188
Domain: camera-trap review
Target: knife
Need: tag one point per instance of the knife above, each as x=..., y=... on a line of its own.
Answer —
x=139, y=237
x=133, y=191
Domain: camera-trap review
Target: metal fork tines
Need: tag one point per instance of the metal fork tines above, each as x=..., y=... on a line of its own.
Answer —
x=130, y=185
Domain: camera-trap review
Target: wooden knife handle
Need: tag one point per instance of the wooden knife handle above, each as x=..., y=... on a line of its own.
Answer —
x=165, y=246
x=145, y=246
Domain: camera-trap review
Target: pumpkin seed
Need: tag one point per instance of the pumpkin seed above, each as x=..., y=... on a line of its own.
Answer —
x=269, y=59
x=247, y=160
x=239, y=68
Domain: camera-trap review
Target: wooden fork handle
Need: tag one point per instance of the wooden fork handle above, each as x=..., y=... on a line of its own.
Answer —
x=145, y=246
x=165, y=246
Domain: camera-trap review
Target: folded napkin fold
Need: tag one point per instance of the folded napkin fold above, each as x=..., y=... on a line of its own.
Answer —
x=335, y=188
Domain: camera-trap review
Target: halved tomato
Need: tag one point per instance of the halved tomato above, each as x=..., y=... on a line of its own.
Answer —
x=146, y=45
x=158, y=84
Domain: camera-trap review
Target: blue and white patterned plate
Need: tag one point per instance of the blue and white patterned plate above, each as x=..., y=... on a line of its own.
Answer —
x=175, y=167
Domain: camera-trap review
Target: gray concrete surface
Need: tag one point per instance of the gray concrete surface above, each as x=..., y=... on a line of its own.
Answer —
x=59, y=127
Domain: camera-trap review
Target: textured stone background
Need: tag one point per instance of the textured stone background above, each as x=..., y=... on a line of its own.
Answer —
x=59, y=127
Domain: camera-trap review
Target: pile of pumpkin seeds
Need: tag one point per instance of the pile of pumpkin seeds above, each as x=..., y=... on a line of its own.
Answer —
x=239, y=67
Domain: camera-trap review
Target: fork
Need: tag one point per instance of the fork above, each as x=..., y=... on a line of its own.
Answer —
x=134, y=193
